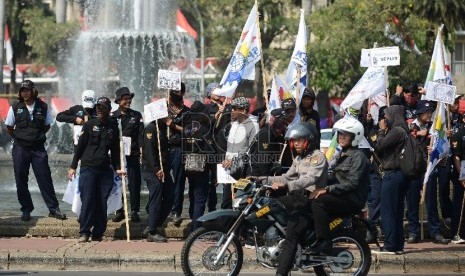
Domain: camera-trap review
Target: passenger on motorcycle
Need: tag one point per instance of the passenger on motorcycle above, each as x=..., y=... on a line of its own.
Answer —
x=347, y=189
x=309, y=170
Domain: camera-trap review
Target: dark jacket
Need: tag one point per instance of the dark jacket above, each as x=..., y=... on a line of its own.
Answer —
x=27, y=133
x=97, y=138
x=312, y=117
x=175, y=138
x=150, y=152
x=350, y=177
x=70, y=115
x=389, y=145
x=266, y=151
x=132, y=126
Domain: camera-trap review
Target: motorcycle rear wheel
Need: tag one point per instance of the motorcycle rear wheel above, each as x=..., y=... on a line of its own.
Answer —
x=200, y=249
x=351, y=246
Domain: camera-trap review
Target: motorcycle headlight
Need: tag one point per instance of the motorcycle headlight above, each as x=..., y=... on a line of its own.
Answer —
x=237, y=201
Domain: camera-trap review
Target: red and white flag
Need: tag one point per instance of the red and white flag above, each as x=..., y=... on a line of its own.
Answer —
x=9, y=48
x=183, y=26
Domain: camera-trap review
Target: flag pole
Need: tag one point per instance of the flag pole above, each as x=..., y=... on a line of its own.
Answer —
x=123, y=181
x=265, y=95
x=159, y=150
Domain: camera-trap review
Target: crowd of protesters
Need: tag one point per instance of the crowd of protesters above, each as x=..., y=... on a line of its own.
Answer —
x=191, y=141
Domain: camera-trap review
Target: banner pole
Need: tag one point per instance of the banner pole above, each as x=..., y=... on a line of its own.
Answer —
x=123, y=181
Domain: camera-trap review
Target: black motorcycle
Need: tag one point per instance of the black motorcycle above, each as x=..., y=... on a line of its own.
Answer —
x=216, y=248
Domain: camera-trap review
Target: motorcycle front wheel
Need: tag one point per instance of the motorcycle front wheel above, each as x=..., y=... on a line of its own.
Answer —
x=354, y=253
x=201, y=248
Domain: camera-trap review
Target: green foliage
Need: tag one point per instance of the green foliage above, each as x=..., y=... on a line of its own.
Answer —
x=44, y=36
x=341, y=30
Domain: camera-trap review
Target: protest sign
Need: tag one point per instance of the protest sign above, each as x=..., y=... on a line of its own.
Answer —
x=222, y=175
x=440, y=92
x=76, y=133
x=127, y=145
x=169, y=79
x=384, y=56
x=156, y=110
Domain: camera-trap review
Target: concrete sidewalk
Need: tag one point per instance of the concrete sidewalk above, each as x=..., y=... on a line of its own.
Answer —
x=49, y=244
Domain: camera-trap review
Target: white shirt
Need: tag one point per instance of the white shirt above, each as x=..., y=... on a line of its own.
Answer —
x=10, y=118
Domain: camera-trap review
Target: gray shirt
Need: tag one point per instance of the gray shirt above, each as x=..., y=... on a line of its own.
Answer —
x=305, y=173
x=240, y=137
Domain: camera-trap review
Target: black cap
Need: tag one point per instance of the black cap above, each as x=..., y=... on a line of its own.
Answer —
x=423, y=106
x=27, y=84
x=308, y=92
x=121, y=92
x=104, y=101
x=288, y=104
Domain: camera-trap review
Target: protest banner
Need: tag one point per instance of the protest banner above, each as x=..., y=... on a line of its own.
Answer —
x=156, y=110
x=384, y=56
x=440, y=92
x=169, y=79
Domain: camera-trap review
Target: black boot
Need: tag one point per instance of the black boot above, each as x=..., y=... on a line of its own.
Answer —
x=322, y=247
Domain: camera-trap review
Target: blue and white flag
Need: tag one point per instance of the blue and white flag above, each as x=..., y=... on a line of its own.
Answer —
x=242, y=63
x=299, y=58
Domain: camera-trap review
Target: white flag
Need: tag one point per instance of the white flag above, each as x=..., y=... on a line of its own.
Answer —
x=299, y=59
x=242, y=63
x=371, y=83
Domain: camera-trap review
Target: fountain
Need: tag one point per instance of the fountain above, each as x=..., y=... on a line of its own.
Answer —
x=125, y=44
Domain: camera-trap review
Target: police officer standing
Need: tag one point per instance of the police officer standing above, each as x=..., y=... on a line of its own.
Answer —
x=98, y=137
x=133, y=127
x=27, y=122
x=156, y=173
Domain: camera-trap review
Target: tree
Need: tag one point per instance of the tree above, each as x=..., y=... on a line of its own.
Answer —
x=342, y=29
x=224, y=20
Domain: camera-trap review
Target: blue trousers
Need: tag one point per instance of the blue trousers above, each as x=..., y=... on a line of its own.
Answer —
x=374, y=198
x=95, y=187
x=134, y=183
x=457, y=202
x=22, y=159
x=198, y=194
x=393, y=189
x=179, y=174
x=160, y=199
x=431, y=195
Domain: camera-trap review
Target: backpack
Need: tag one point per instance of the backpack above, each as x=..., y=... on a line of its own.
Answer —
x=412, y=157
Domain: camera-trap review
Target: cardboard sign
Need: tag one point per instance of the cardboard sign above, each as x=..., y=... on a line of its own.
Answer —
x=384, y=56
x=169, y=79
x=440, y=92
x=156, y=110
x=223, y=176
x=127, y=145
x=76, y=133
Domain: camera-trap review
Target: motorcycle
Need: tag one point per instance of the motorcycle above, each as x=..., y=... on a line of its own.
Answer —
x=215, y=248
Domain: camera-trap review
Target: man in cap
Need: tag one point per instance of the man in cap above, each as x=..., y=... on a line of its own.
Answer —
x=27, y=122
x=240, y=137
x=79, y=114
x=132, y=126
x=420, y=129
x=176, y=109
x=307, y=113
x=290, y=107
x=99, y=137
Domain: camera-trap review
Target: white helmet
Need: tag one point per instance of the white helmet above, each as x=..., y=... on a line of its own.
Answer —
x=88, y=99
x=350, y=125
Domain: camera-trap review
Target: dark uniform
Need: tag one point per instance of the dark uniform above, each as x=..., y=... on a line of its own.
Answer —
x=132, y=126
x=28, y=148
x=458, y=152
x=161, y=194
x=77, y=111
x=96, y=176
x=175, y=140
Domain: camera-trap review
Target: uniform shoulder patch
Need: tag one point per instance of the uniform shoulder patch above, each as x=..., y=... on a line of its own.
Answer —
x=373, y=137
x=454, y=144
x=315, y=159
x=149, y=136
x=265, y=145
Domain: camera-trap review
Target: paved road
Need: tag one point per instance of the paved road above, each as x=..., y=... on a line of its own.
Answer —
x=81, y=273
